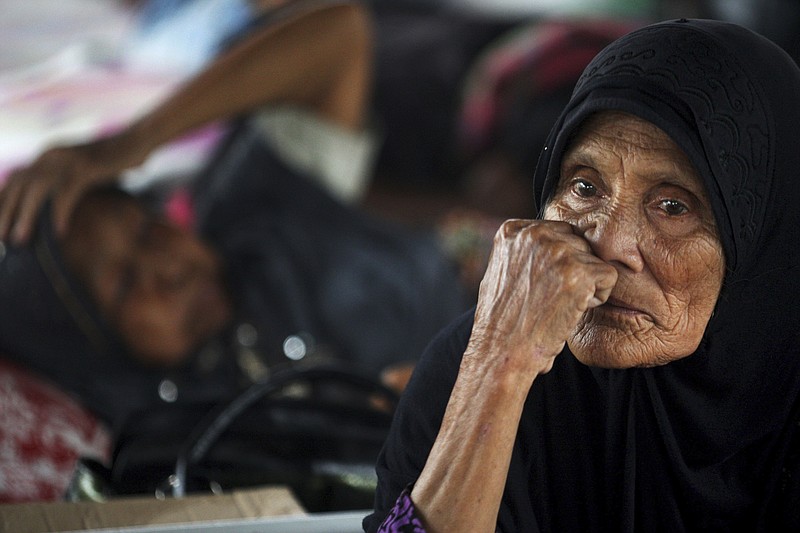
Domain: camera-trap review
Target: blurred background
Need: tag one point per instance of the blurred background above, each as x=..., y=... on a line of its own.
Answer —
x=75, y=68
x=464, y=93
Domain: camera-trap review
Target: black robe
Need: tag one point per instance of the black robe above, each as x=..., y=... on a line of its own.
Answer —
x=707, y=442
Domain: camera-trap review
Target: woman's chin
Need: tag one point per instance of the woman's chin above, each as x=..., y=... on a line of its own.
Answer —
x=602, y=360
x=614, y=350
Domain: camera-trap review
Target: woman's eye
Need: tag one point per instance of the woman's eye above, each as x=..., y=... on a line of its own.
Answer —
x=584, y=189
x=673, y=208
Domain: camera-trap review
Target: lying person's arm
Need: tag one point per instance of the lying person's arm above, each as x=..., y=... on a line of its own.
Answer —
x=541, y=278
x=319, y=59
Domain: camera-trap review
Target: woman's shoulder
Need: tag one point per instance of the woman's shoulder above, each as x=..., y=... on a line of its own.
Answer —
x=439, y=364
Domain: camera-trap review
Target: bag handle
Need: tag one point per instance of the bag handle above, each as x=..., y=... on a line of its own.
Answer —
x=212, y=426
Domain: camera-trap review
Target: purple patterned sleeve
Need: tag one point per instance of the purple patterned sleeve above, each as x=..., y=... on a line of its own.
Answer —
x=403, y=516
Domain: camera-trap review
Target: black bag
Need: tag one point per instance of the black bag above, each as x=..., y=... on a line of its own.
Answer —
x=317, y=431
x=298, y=261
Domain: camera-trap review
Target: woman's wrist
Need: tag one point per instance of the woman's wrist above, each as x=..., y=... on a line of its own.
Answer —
x=509, y=365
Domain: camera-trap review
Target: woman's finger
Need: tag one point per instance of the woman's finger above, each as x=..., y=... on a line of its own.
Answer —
x=513, y=226
x=605, y=278
x=29, y=203
x=64, y=204
x=9, y=200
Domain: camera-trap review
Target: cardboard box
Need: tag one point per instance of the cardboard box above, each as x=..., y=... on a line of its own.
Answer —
x=140, y=511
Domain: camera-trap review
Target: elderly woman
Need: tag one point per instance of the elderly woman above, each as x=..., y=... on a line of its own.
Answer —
x=632, y=361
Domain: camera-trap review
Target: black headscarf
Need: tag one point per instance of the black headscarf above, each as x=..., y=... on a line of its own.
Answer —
x=703, y=443
x=729, y=98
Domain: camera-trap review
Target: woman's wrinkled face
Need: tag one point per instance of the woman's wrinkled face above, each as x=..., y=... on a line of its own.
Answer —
x=158, y=285
x=634, y=195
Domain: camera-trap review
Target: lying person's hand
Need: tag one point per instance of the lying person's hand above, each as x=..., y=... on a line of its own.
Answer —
x=542, y=277
x=64, y=173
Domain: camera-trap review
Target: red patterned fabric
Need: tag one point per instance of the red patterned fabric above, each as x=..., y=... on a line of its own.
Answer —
x=43, y=432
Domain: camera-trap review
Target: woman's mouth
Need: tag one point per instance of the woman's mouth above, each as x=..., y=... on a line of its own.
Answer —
x=621, y=308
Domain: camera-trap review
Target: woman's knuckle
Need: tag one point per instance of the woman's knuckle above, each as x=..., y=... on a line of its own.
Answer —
x=559, y=250
x=508, y=229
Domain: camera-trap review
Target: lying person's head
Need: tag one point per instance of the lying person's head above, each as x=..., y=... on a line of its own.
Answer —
x=157, y=285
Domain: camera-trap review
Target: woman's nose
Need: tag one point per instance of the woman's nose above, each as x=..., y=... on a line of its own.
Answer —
x=615, y=239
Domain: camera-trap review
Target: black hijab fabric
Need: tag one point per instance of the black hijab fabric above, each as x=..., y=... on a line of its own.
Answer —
x=701, y=443
x=728, y=98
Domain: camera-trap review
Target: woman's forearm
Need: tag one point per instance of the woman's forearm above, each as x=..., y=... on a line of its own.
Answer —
x=319, y=59
x=462, y=483
x=540, y=280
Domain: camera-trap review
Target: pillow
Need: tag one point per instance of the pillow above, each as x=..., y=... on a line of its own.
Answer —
x=43, y=433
